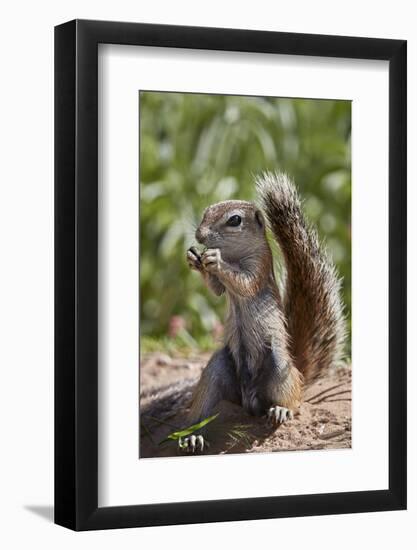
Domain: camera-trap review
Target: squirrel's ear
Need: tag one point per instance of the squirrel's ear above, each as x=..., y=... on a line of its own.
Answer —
x=260, y=219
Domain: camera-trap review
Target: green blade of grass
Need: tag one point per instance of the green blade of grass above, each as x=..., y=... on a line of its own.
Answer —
x=188, y=431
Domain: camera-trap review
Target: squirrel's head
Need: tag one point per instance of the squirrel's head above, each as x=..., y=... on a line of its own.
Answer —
x=235, y=227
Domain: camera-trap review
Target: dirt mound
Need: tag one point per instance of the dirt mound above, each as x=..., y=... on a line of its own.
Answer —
x=166, y=383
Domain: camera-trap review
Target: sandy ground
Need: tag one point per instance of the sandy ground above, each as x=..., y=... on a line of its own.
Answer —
x=166, y=383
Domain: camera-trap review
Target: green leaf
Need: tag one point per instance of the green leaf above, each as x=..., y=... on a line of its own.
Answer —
x=188, y=431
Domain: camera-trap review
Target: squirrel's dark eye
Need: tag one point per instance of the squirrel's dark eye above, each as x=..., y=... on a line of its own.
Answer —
x=234, y=221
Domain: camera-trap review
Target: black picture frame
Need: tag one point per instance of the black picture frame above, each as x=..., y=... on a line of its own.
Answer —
x=76, y=272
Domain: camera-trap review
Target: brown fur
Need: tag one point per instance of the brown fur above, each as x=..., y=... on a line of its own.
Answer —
x=312, y=303
x=271, y=343
x=243, y=265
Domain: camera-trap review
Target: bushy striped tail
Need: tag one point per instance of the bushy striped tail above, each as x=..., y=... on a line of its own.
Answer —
x=312, y=302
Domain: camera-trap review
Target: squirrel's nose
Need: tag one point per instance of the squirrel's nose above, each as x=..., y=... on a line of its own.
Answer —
x=201, y=234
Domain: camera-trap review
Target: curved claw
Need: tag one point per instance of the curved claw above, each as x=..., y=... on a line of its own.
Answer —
x=191, y=444
x=278, y=415
x=194, y=259
x=194, y=252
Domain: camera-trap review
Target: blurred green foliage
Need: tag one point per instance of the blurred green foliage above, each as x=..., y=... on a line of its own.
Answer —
x=198, y=149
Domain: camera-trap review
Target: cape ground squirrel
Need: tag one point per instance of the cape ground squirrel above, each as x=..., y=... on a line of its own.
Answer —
x=272, y=343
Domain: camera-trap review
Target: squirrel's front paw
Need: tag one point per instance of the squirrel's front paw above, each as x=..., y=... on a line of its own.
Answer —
x=212, y=260
x=191, y=444
x=278, y=415
x=194, y=259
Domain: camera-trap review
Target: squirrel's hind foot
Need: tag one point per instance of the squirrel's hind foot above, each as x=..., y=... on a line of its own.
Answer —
x=277, y=415
x=191, y=444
